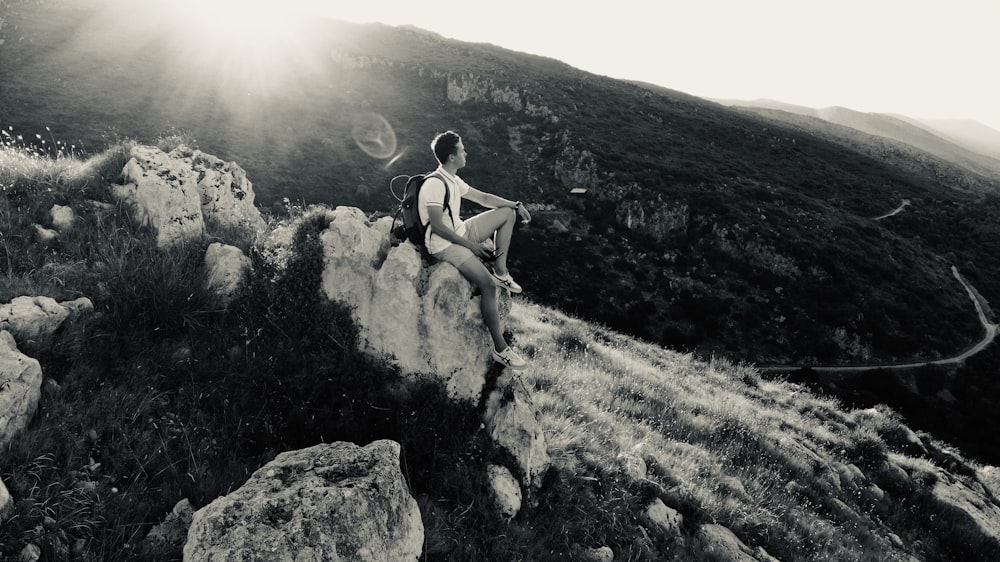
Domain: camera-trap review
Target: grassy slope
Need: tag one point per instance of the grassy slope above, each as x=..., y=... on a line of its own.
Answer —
x=150, y=389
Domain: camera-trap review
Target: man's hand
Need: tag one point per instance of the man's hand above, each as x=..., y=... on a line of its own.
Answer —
x=482, y=251
x=522, y=211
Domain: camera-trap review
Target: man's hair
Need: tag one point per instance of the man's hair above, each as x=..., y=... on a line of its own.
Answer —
x=445, y=144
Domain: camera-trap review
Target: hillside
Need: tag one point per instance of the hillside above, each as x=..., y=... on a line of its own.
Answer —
x=168, y=393
x=705, y=229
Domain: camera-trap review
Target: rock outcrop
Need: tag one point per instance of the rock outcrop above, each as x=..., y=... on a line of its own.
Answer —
x=426, y=320
x=34, y=320
x=20, y=388
x=511, y=423
x=184, y=194
x=334, y=501
x=225, y=269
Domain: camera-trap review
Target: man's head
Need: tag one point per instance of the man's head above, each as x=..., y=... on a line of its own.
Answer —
x=448, y=148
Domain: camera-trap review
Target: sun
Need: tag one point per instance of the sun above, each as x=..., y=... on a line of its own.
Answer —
x=251, y=45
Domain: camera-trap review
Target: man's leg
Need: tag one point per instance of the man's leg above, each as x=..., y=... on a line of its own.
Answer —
x=478, y=275
x=501, y=221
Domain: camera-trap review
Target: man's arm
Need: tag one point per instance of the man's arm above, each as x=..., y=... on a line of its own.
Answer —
x=491, y=201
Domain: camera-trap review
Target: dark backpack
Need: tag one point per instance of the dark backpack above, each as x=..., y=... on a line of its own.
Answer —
x=411, y=228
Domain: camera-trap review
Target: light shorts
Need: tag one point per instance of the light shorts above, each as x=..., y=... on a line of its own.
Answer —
x=457, y=255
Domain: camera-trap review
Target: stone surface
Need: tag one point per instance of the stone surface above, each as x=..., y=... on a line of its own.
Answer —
x=724, y=545
x=632, y=465
x=425, y=319
x=35, y=319
x=974, y=508
x=329, y=502
x=62, y=217
x=186, y=193
x=510, y=422
x=163, y=193
x=6, y=502
x=505, y=489
x=20, y=388
x=225, y=269
x=666, y=519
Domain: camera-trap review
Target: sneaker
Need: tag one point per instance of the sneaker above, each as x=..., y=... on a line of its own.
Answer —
x=509, y=358
x=507, y=282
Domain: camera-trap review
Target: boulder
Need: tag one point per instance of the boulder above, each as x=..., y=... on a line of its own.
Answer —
x=512, y=426
x=505, y=489
x=227, y=196
x=163, y=193
x=20, y=388
x=971, y=508
x=35, y=319
x=45, y=236
x=425, y=319
x=225, y=269
x=6, y=502
x=329, y=502
x=184, y=194
x=724, y=545
x=62, y=217
x=666, y=519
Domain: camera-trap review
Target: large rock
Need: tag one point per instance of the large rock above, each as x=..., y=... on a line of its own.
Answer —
x=512, y=426
x=328, y=502
x=425, y=319
x=163, y=192
x=225, y=269
x=178, y=194
x=35, y=319
x=20, y=388
x=6, y=502
x=972, y=508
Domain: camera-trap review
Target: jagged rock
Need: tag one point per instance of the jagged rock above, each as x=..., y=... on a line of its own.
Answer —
x=724, y=545
x=664, y=518
x=164, y=195
x=36, y=319
x=975, y=509
x=505, y=489
x=177, y=194
x=333, y=501
x=424, y=318
x=62, y=217
x=225, y=269
x=227, y=196
x=20, y=388
x=661, y=223
x=6, y=502
x=511, y=424
x=170, y=535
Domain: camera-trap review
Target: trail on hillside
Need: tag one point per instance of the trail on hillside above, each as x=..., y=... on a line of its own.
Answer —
x=989, y=328
x=898, y=210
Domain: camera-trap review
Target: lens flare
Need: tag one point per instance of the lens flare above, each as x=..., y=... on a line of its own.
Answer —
x=374, y=135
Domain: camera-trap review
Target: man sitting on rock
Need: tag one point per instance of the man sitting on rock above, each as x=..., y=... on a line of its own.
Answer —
x=461, y=243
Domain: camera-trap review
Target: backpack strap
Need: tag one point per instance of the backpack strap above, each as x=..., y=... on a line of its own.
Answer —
x=447, y=197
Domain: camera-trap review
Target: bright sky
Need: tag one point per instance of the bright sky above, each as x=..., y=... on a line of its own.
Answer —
x=920, y=58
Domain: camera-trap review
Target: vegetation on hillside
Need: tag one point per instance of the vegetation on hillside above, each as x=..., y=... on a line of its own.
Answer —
x=162, y=394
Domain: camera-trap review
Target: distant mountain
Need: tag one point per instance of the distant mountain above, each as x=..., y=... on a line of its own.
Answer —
x=972, y=135
x=968, y=143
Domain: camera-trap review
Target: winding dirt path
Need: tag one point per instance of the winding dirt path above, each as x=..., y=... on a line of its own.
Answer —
x=990, y=329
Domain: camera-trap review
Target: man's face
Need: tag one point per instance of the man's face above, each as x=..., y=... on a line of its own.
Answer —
x=460, y=155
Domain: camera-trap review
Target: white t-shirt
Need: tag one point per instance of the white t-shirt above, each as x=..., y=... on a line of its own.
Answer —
x=432, y=193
